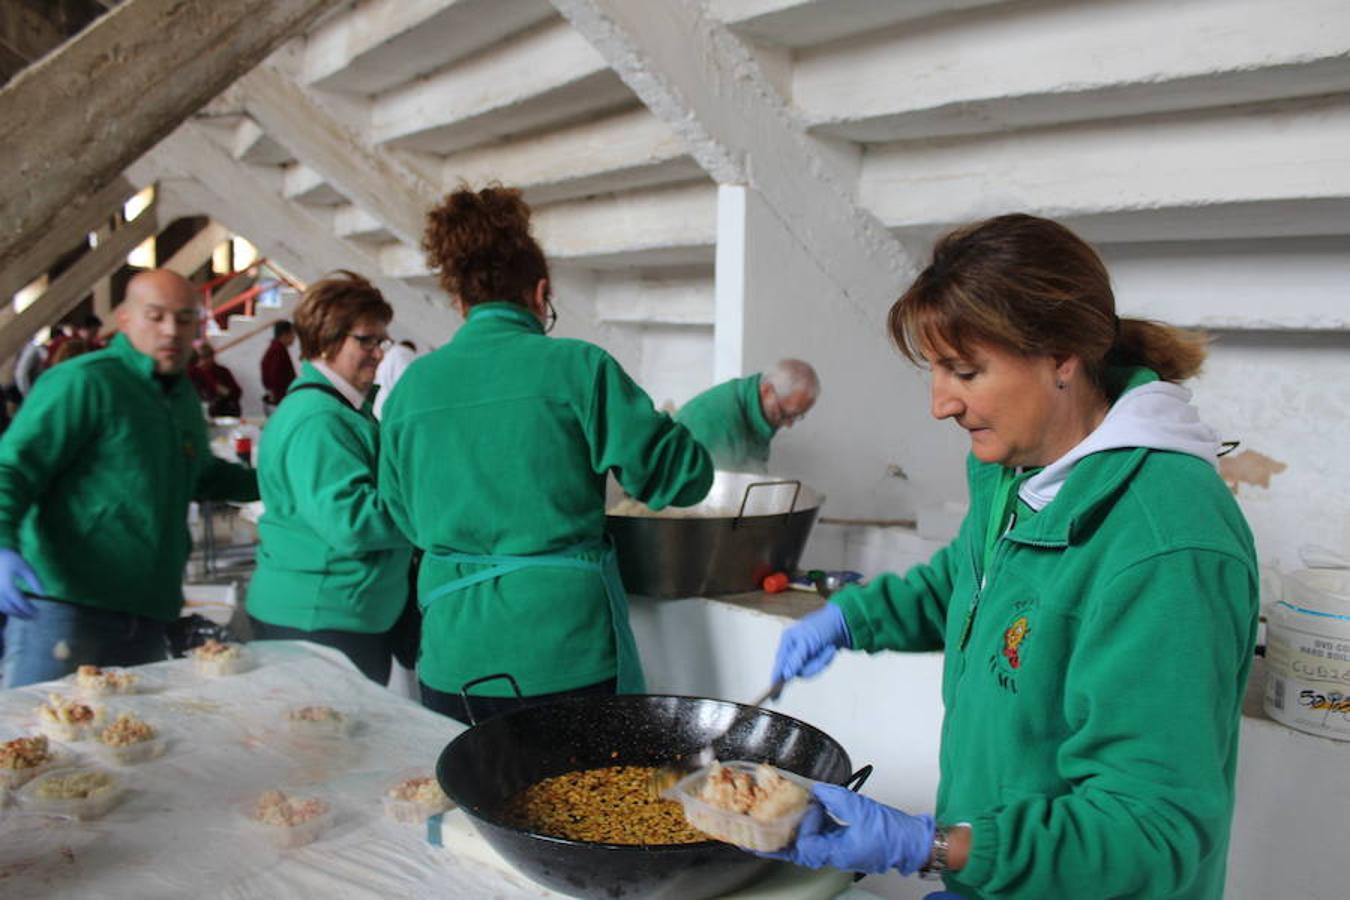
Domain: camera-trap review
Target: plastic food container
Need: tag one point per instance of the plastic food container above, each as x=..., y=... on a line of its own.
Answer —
x=336, y=725
x=100, y=792
x=414, y=812
x=130, y=754
x=66, y=731
x=740, y=829
x=216, y=667
x=17, y=777
x=124, y=682
x=1308, y=653
x=290, y=836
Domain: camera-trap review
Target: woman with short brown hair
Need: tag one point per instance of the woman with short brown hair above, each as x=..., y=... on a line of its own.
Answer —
x=1097, y=610
x=332, y=565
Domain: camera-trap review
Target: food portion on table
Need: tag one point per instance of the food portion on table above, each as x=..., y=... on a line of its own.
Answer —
x=215, y=658
x=66, y=719
x=79, y=793
x=94, y=680
x=414, y=800
x=290, y=821
x=22, y=758
x=318, y=721
x=611, y=805
x=129, y=740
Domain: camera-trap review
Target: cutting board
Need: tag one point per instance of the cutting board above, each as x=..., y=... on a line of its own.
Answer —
x=785, y=882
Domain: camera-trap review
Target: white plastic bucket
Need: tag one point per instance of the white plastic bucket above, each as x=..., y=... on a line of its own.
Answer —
x=1308, y=653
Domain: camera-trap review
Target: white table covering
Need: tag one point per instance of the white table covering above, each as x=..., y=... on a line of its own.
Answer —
x=179, y=831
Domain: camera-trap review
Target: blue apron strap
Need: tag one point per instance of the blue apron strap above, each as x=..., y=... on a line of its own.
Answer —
x=629, y=663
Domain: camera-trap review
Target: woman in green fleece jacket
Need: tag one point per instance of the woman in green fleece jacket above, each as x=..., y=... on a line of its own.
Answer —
x=332, y=565
x=1097, y=609
x=495, y=453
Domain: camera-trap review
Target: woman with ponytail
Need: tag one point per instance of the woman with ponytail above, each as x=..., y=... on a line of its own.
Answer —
x=1097, y=610
x=495, y=453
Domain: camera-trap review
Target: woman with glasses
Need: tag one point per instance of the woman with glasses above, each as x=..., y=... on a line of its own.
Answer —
x=496, y=449
x=332, y=565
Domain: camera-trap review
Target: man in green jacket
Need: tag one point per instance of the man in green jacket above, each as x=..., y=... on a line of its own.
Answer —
x=96, y=474
x=737, y=419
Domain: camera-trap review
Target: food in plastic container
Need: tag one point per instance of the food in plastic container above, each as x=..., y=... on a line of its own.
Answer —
x=24, y=758
x=319, y=721
x=751, y=805
x=289, y=821
x=80, y=793
x=414, y=800
x=128, y=741
x=101, y=682
x=215, y=658
x=67, y=720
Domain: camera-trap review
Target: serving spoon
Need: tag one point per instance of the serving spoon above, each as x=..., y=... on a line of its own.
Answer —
x=666, y=776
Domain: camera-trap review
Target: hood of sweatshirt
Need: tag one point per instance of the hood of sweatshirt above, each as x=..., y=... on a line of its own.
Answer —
x=1157, y=415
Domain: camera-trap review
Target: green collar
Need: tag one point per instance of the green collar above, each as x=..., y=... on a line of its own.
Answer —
x=755, y=410
x=138, y=362
x=505, y=311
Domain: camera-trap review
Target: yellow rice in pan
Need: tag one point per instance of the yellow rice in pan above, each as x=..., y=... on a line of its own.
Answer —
x=613, y=805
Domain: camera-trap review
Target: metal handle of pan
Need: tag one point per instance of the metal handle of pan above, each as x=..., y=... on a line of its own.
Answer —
x=855, y=781
x=745, y=498
x=464, y=692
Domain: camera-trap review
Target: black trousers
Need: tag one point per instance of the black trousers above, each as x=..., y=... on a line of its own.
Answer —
x=371, y=653
x=452, y=705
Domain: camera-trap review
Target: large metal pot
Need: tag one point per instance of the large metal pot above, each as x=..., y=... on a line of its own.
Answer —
x=747, y=527
x=494, y=760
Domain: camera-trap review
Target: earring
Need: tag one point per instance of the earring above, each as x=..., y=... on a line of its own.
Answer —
x=1061, y=385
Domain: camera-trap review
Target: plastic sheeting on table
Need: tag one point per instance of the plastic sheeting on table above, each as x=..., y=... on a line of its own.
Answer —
x=180, y=830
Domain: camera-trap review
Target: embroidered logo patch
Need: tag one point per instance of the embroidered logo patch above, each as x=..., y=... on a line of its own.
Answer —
x=1007, y=662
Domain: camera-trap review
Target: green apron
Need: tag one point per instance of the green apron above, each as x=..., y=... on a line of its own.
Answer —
x=630, y=678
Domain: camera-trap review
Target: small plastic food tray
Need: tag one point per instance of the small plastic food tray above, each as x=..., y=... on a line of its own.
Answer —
x=16, y=778
x=130, y=754
x=213, y=667
x=138, y=685
x=91, y=807
x=62, y=731
x=743, y=830
x=320, y=728
x=288, y=837
x=411, y=812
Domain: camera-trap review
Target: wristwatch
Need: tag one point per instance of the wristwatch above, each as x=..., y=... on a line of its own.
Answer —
x=937, y=864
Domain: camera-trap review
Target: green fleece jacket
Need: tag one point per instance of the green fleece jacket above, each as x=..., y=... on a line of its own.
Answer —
x=96, y=473
x=329, y=555
x=1092, y=703
x=499, y=443
x=729, y=421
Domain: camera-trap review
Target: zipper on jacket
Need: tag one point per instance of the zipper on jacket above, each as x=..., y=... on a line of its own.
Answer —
x=969, y=624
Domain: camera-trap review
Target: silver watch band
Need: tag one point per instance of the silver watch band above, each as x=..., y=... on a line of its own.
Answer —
x=937, y=863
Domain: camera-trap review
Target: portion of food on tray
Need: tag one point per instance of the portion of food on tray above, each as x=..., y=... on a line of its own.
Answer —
x=414, y=800
x=105, y=681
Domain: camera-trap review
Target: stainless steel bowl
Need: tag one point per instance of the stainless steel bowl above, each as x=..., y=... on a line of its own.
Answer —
x=748, y=526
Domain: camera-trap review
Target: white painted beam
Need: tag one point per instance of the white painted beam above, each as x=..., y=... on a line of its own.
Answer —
x=354, y=223
x=546, y=76
x=66, y=292
x=625, y=151
x=802, y=23
x=117, y=88
x=382, y=44
x=303, y=185
x=371, y=176
x=1026, y=65
x=248, y=201
x=70, y=229
x=698, y=77
x=197, y=252
x=684, y=298
x=253, y=145
x=1277, y=170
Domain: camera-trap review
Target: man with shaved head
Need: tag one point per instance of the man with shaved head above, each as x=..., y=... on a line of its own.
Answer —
x=737, y=419
x=96, y=473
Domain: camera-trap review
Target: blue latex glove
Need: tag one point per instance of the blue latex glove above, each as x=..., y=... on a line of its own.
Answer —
x=876, y=838
x=12, y=570
x=806, y=648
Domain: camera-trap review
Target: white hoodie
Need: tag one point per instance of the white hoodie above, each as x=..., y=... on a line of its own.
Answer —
x=1157, y=415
